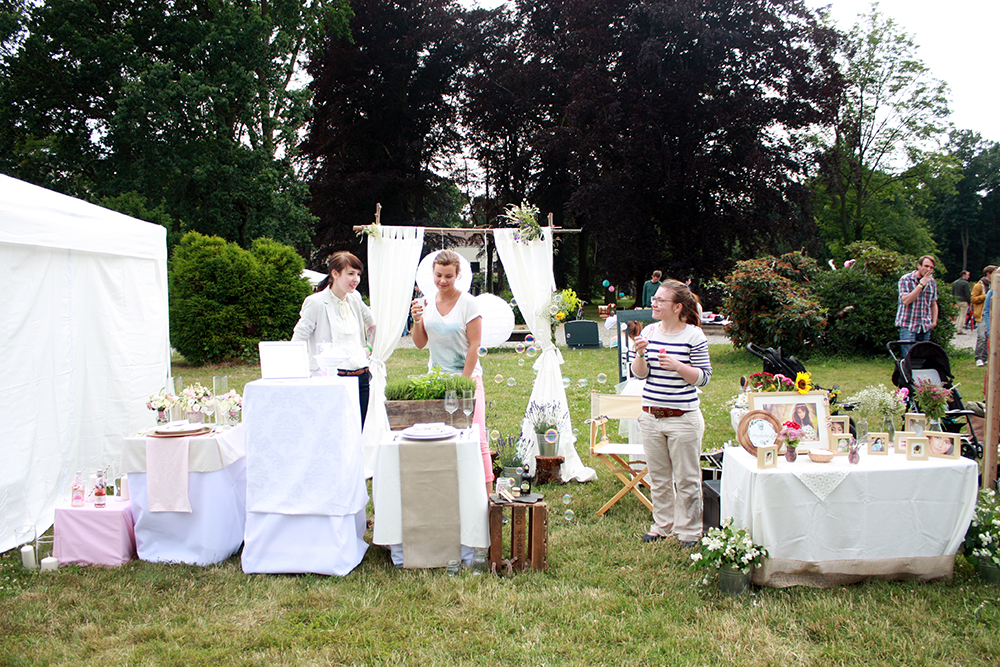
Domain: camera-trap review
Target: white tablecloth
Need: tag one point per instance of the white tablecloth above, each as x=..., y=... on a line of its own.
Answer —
x=306, y=493
x=888, y=517
x=213, y=530
x=473, y=503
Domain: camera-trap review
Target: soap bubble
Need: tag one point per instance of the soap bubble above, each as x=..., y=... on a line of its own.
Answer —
x=576, y=431
x=602, y=378
x=567, y=499
x=511, y=382
x=569, y=515
x=513, y=303
x=553, y=309
x=494, y=435
x=520, y=362
x=582, y=382
x=483, y=351
x=551, y=435
x=532, y=351
x=566, y=381
x=529, y=339
x=605, y=283
x=519, y=471
x=519, y=348
x=498, y=378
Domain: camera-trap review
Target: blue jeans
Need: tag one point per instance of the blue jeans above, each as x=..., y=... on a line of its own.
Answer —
x=914, y=336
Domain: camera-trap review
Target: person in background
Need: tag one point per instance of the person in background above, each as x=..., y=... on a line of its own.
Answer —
x=649, y=289
x=962, y=292
x=452, y=328
x=672, y=355
x=336, y=314
x=917, y=309
x=978, y=298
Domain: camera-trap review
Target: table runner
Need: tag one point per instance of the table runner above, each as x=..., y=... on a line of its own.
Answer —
x=167, y=474
x=820, y=482
x=207, y=453
x=430, y=504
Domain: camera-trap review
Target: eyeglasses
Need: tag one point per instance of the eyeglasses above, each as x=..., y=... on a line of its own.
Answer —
x=658, y=301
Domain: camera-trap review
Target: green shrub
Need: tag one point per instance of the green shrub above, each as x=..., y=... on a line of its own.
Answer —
x=769, y=303
x=429, y=387
x=224, y=300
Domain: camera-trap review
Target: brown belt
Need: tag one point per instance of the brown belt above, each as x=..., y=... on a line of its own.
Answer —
x=360, y=371
x=660, y=413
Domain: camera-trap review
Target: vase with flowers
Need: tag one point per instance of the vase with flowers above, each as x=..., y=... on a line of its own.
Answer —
x=932, y=399
x=161, y=402
x=770, y=382
x=880, y=405
x=732, y=553
x=790, y=435
x=196, y=401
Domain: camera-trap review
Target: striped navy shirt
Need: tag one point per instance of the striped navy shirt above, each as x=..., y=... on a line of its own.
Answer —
x=667, y=389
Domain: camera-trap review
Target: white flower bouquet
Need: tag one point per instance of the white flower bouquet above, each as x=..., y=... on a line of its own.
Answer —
x=727, y=546
x=230, y=404
x=196, y=398
x=161, y=400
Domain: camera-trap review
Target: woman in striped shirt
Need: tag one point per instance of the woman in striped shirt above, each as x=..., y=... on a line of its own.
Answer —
x=672, y=354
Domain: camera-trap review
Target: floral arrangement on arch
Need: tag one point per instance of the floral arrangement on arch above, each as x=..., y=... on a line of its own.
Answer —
x=931, y=398
x=982, y=539
x=525, y=218
x=728, y=546
x=791, y=434
x=197, y=398
x=770, y=382
x=230, y=403
x=562, y=306
x=877, y=401
x=161, y=401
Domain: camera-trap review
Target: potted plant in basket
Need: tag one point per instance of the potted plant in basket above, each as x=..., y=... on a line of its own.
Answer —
x=732, y=554
x=982, y=540
x=545, y=418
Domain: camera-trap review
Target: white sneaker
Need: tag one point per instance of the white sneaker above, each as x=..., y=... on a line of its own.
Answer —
x=980, y=362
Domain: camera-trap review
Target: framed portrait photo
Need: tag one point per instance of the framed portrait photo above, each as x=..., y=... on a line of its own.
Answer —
x=841, y=445
x=838, y=425
x=943, y=445
x=767, y=456
x=915, y=422
x=916, y=449
x=899, y=443
x=810, y=410
x=878, y=443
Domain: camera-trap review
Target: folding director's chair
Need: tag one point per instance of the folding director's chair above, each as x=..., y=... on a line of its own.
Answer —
x=631, y=473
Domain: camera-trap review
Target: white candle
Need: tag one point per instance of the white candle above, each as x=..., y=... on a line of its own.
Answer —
x=28, y=556
x=50, y=564
x=124, y=485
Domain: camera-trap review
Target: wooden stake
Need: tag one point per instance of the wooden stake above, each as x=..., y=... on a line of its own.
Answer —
x=992, y=392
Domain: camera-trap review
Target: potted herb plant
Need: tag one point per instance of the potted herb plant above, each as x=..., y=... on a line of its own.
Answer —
x=732, y=554
x=420, y=399
x=545, y=418
x=509, y=458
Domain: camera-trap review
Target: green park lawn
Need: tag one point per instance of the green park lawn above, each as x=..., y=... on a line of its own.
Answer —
x=606, y=598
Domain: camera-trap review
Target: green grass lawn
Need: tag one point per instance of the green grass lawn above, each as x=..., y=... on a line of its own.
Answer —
x=605, y=599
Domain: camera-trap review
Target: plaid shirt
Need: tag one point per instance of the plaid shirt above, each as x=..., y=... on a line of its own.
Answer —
x=916, y=316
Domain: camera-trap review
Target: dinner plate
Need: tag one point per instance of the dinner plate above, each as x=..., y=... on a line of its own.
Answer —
x=438, y=431
x=175, y=433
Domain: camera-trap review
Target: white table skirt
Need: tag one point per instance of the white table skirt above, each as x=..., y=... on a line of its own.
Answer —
x=283, y=543
x=886, y=513
x=211, y=532
x=473, y=503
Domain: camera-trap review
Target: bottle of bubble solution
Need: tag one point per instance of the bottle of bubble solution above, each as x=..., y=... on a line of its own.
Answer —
x=77, y=491
x=99, y=492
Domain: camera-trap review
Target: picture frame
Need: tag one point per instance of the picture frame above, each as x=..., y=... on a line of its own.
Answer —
x=912, y=419
x=943, y=445
x=841, y=444
x=813, y=408
x=757, y=429
x=899, y=442
x=837, y=425
x=767, y=457
x=916, y=449
x=878, y=443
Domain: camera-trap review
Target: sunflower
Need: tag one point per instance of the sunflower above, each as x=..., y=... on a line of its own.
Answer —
x=803, y=383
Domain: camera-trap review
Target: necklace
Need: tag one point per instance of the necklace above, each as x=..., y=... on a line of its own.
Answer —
x=440, y=300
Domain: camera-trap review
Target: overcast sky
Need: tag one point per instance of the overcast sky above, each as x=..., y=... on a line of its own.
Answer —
x=957, y=41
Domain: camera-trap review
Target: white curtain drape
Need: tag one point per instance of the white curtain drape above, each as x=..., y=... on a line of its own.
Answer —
x=392, y=263
x=528, y=267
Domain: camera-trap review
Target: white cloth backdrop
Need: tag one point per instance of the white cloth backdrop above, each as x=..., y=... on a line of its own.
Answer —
x=392, y=263
x=529, y=270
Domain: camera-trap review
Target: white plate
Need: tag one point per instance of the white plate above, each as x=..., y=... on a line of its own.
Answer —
x=429, y=432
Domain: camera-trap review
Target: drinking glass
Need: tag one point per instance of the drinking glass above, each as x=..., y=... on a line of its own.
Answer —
x=451, y=404
x=220, y=387
x=468, y=404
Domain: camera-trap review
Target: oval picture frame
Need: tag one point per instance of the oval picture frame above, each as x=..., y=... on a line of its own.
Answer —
x=743, y=435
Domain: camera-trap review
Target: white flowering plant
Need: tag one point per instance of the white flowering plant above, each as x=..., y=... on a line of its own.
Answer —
x=878, y=402
x=197, y=398
x=231, y=403
x=728, y=546
x=982, y=540
x=161, y=400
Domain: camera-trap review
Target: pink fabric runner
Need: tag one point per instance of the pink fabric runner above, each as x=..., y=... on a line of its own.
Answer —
x=167, y=474
x=479, y=419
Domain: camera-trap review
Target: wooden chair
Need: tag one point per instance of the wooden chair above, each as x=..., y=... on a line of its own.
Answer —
x=631, y=473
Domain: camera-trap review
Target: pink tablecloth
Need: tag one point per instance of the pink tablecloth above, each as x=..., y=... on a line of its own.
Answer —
x=95, y=536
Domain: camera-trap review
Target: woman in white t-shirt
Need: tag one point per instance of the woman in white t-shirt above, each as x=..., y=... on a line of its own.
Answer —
x=452, y=328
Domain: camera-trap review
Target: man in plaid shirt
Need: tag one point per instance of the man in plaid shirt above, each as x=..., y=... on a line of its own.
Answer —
x=917, y=312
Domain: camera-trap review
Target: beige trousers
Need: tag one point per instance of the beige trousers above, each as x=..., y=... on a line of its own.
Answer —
x=963, y=312
x=673, y=453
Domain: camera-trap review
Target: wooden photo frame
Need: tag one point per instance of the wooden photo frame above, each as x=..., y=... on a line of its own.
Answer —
x=841, y=445
x=916, y=449
x=899, y=442
x=812, y=408
x=912, y=419
x=943, y=445
x=757, y=429
x=838, y=425
x=767, y=456
x=878, y=443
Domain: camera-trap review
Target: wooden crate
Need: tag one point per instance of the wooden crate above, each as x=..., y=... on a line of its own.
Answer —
x=404, y=414
x=529, y=537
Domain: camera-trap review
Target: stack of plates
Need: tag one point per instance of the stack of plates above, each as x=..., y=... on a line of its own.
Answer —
x=180, y=430
x=435, y=431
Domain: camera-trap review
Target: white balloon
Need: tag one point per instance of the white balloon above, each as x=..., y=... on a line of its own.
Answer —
x=498, y=319
x=425, y=275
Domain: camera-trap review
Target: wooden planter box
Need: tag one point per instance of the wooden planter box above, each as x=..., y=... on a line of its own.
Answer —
x=404, y=414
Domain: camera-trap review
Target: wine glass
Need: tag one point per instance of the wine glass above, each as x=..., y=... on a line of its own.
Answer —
x=451, y=403
x=468, y=403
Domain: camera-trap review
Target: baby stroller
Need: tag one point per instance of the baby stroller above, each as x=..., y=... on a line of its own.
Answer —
x=774, y=362
x=925, y=359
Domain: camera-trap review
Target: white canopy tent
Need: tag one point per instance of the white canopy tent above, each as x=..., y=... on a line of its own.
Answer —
x=84, y=340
